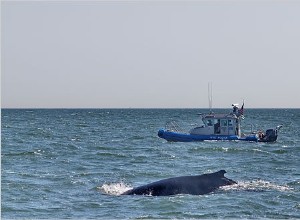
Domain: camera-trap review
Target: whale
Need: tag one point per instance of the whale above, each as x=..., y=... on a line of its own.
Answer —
x=194, y=185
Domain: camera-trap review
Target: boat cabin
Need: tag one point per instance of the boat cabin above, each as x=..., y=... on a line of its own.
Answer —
x=218, y=124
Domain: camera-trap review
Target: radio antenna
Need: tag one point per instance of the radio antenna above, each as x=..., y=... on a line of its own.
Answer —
x=210, y=96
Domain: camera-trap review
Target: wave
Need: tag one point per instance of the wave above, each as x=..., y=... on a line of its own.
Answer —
x=26, y=153
x=115, y=189
x=256, y=186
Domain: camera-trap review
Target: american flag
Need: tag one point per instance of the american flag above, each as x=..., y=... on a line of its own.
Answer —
x=241, y=110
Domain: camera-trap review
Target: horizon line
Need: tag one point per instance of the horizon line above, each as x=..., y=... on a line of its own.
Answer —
x=20, y=108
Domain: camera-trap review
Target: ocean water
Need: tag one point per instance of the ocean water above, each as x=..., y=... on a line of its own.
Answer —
x=75, y=163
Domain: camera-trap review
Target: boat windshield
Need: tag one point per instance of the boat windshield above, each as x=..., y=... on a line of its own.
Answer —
x=211, y=122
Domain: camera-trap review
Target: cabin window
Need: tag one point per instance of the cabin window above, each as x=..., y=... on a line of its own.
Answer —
x=230, y=122
x=209, y=122
x=224, y=123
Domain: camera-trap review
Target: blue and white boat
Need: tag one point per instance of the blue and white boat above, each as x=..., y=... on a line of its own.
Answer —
x=218, y=127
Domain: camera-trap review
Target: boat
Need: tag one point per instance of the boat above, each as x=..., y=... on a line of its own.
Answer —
x=218, y=127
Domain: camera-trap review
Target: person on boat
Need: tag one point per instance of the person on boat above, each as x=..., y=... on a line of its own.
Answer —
x=261, y=134
x=217, y=127
x=235, y=109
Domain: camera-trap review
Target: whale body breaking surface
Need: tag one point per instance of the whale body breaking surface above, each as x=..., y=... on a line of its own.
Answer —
x=194, y=185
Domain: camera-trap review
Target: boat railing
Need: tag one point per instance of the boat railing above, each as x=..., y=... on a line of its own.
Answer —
x=174, y=127
x=249, y=129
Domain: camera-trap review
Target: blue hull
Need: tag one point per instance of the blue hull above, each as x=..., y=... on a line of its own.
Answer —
x=182, y=137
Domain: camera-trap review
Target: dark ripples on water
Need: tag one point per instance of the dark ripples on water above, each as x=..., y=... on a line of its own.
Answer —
x=74, y=164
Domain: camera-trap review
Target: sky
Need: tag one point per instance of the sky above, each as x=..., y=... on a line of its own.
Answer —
x=150, y=54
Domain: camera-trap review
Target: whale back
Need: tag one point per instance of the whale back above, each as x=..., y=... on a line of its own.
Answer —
x=195, y=185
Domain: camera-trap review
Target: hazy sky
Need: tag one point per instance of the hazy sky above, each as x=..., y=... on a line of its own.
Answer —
x=150, y=54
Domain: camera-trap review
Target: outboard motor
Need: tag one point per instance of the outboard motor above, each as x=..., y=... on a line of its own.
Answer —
x=271, y=134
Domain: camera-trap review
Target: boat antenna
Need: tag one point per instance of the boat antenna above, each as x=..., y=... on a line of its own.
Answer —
x=210, y=96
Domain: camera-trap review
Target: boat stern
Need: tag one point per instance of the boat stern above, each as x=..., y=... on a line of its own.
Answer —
x=270, y=135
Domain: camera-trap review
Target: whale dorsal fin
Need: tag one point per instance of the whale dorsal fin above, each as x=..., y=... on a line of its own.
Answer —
x=221, y=173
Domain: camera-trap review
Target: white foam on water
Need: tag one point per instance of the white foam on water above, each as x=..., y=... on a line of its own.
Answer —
x=256, y=185
x=114, y=188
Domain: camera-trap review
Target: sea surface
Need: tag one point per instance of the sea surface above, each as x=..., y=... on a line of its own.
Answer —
x=75, y=163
